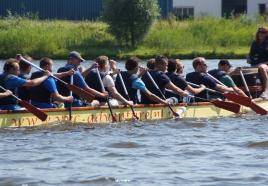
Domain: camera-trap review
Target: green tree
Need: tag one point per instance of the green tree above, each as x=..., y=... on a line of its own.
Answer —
x=130, y=20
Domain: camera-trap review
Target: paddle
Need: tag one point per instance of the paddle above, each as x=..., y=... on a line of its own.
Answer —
x=163, y=96
x=71, y=94
x=126, y=92
x=242, y=100
x=37, y=112
x=79, y=91
x=232, y=107
x=107, y=99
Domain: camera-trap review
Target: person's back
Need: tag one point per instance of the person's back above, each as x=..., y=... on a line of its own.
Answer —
x=128, y=80
x=40, y=95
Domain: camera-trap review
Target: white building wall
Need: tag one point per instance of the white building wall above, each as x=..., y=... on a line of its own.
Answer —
x=202, y=7
x=253, y=7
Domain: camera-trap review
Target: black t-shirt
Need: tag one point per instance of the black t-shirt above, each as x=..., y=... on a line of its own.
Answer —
x=161, y=80
x=177, y=80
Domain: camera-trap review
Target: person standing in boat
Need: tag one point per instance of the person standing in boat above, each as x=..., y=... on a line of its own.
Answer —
x=258, y=57
x=200, y=77
x=175, y=71
x=162, y=80
x=92, y=81
x=25, y=70
x=133, y=83
x=73, y=63
x=43, y=95
x=10, y=80
x=221, y=73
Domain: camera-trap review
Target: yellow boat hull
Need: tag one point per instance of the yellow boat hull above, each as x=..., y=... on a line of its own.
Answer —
x=101, y=115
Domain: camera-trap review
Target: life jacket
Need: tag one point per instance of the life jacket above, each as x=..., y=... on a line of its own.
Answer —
x=39, y=93
x=218, y=74
x=128, y=79
x=156, y=75
x=197, y=78
x=10, y=100
x=23, y=92
x=93, y=82
x=62, y=89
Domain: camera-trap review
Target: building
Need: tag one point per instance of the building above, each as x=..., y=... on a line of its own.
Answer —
x=64, y=9
x=218, y=8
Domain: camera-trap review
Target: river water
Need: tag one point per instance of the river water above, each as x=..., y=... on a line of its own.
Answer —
x=220, y=151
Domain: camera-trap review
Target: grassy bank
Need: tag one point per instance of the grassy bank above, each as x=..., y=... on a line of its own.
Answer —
x=209, y=37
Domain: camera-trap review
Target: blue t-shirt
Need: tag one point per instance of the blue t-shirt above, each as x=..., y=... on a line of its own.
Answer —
x=14, y=82
x=138, y=84
x=50, y=85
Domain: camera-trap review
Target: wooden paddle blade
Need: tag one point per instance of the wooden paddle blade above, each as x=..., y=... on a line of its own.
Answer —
x=258, y=109
x=37, y=112
x=80, y=92
x=242, y=100
x=233, y=107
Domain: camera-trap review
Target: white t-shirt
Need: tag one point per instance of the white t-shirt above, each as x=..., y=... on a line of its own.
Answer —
x=108, y=81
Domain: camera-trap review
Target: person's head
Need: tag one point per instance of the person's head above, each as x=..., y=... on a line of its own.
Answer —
x=200, y=65
x=103, y=63
x=175, y=65
x=161, y=63
x=224, y=65
x=132, y=64
x=25, y=68
x=46, y=64
x=75, y=58
x=262, y=34
x=150, y=64
x=11, y=66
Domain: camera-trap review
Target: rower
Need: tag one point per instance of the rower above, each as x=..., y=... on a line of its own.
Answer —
x=43, y=95
x=258, y=57
x=150, y=64
x=10, y=80
x=133, y=83
x=92, y=81
x=175, y=71
x=25, y=70
x=74, y=60
x=221, y=73
x=162, y=80
x=199, y=77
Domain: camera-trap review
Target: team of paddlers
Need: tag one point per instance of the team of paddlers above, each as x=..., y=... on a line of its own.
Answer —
x=162, y=81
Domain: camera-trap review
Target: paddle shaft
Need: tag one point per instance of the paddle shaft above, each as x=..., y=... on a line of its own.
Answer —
x=216, y=80
x=126, y=92
x=163, y=96
x=71, y=94
x=107, y=99
x=39, y=68
x=245, y=82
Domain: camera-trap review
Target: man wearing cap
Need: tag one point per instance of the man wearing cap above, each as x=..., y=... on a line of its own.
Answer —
x=73, y=62
x=224, y=67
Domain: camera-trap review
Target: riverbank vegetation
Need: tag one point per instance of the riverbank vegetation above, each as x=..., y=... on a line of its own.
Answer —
x=209, y=37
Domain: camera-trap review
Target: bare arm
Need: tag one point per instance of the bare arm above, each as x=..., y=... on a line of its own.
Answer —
x=154, y=97
x=57, y=97
x=115, y=94
x=223, y=89
x=239, y=91
x=86, y=72
x=5, y=94
x=97, y=93
x=192, y=90
x=176, y=89
x=35, y=82
x=64, y=74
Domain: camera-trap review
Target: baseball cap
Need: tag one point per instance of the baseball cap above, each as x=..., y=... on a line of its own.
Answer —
x=76, y=55
x=225, y=62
